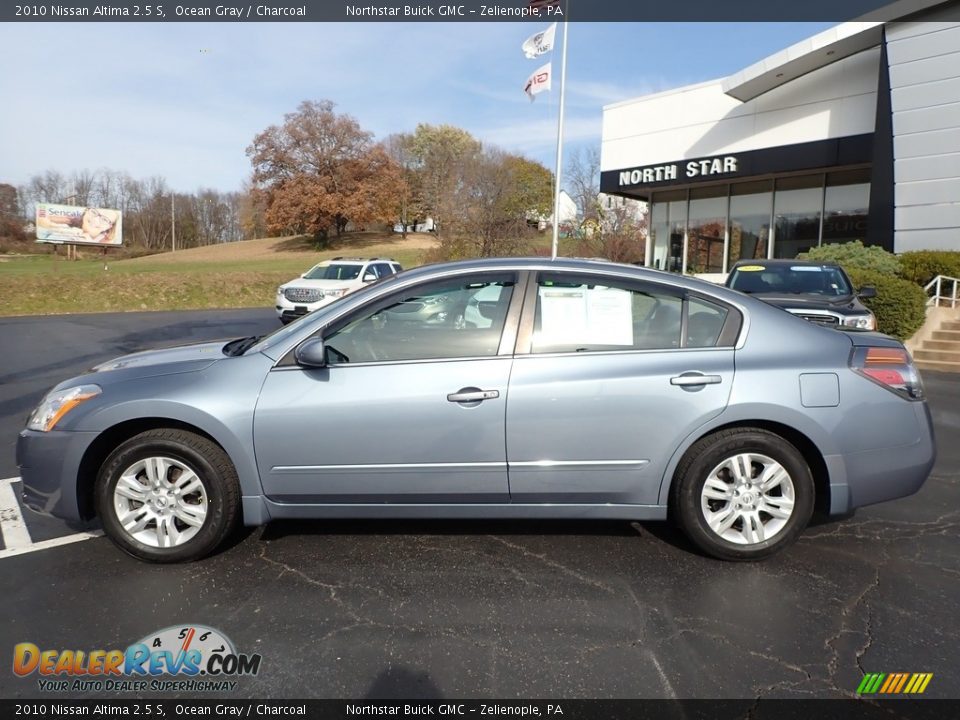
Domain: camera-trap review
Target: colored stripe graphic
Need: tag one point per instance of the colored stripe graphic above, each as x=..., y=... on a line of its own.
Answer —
x=875, y=685
x=894, y=683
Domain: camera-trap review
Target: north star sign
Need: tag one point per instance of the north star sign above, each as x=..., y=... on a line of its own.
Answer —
x=723, y=165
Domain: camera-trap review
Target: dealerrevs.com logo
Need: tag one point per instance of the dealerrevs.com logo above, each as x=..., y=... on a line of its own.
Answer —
x=180, y=658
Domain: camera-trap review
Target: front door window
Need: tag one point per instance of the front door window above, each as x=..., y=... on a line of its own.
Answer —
x=458, y=318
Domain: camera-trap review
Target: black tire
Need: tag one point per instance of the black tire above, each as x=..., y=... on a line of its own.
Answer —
x=708, y=453
x=210, y=464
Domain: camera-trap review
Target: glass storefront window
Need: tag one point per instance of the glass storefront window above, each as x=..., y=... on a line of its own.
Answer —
x=846, y=206
x=706, y=229
x=750, y=207
x=807, y=210
x=797, y=204
x=668, y=221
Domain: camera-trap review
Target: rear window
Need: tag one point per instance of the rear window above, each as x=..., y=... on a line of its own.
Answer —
x=790, y=279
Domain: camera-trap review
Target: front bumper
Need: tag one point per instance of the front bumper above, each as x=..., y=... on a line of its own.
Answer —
x=49, y=467
x=287, y=310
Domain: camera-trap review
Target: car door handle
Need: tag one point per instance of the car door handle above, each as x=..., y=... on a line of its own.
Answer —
x=694, y=378
x=472, y=395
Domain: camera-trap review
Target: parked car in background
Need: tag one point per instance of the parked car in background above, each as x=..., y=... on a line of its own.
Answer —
x=541, y=389
x=819, y=292
x=328, y=281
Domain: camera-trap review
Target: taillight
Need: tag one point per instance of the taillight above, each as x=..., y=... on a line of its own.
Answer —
x=890, y=367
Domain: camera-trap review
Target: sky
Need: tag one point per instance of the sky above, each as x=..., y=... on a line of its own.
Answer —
x=183, y=101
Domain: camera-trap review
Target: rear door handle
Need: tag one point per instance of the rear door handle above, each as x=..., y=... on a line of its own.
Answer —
x=467, y=395
x=692, y=379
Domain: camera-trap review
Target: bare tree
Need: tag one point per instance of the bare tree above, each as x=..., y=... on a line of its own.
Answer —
x=399, y=148
x=583, y=180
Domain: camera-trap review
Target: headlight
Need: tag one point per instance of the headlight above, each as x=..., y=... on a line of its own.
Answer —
x=280, y=290
x=335, y=293
x=57, y=404
x=864, y=322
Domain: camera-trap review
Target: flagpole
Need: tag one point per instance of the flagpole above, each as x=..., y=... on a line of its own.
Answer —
x=563, y=89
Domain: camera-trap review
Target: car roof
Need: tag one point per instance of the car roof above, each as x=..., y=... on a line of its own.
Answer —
x=783, y=262
x=340, y=258
x=574, y=264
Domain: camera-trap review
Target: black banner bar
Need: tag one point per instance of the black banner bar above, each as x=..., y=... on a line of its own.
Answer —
x=433, y=11
x=851, y=709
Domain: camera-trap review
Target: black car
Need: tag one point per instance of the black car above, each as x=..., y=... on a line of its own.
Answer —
x=818, y=292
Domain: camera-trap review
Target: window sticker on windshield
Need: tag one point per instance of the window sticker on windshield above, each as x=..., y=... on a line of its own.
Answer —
x=751, y=268
x=805, y=268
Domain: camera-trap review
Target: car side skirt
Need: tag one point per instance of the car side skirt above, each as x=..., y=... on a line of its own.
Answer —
x=258, y=510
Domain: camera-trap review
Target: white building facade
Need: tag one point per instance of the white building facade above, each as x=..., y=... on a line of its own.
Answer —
x=853, y=134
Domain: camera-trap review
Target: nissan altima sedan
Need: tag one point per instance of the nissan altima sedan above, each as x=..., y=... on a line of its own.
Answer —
x=514, y=388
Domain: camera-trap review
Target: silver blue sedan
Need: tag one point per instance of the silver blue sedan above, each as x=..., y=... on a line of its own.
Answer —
x=513, y=388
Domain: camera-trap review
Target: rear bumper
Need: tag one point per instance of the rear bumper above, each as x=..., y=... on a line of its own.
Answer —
x=878, y=475
x=49, y=464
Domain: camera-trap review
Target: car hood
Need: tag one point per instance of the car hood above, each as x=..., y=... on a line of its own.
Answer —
x=182, y=358
x=842, y=304
x=317, y=284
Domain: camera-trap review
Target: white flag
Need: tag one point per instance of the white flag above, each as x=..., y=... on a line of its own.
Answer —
x=539, y=81
x=542, y=42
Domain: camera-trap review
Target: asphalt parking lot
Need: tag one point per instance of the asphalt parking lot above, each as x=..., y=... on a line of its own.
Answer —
x=491, y=609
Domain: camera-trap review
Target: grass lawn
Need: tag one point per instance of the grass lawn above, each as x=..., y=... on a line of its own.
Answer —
x=242, y=274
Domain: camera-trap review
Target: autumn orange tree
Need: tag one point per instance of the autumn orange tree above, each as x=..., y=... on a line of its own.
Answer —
x=320, y=170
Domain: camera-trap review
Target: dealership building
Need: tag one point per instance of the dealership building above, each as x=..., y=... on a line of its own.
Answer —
x=853, y=134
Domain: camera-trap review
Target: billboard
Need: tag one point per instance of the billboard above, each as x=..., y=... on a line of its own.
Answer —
x=78, y=225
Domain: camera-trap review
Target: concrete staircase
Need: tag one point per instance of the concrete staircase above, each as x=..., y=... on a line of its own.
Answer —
x=937, y=345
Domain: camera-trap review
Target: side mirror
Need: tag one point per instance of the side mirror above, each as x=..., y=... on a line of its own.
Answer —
x=369, y=277
x=867, y=291
x=311, y=353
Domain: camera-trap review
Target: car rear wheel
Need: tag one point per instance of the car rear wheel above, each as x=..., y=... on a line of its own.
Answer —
x=168, y=495
x=743, y=494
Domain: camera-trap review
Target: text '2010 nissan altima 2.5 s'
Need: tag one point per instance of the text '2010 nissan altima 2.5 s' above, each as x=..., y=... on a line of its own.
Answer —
x=515, y=388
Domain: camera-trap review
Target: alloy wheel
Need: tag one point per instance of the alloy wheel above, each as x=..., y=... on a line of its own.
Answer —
x=748, y=499
x=160, y=502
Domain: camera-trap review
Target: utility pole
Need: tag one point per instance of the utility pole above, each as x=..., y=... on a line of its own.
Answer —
x=173, y=225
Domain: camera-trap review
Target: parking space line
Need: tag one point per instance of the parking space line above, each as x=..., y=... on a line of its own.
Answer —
x=12, y=526
x=13, y=529
x=55, y=542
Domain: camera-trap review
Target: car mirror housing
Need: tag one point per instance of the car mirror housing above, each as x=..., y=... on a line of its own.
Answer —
x=867, y=291
x=311, y=354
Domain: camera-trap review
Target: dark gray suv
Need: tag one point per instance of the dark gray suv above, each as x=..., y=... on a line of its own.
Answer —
x=819, y=292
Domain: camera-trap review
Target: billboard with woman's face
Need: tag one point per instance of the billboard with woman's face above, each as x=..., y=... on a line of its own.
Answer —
x=78, y=225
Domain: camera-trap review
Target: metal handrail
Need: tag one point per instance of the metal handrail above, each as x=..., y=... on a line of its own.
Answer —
x=937, y=286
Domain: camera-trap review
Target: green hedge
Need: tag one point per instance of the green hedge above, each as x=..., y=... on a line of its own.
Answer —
x=922, y=266
x=855, y=256
x=900, y=305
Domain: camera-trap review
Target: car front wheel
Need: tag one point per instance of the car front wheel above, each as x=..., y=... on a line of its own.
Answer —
x=168, y=495
x=743, y=494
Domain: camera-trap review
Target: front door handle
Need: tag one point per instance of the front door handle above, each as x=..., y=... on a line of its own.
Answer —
x=692, y=379
x=467, y=395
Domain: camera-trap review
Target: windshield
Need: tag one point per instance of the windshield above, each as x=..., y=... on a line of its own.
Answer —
x=791, y=279
x=334, y=272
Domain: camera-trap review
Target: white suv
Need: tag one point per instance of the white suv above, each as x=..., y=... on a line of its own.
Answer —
x=327, y=281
